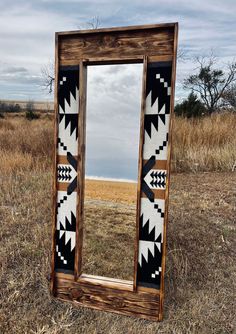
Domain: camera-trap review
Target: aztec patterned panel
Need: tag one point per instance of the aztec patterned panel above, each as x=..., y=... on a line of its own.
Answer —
x=154, y=173
x=67, y=150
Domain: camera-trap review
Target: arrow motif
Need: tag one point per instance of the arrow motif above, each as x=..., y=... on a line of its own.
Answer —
x=158, y=179
x=64, y=173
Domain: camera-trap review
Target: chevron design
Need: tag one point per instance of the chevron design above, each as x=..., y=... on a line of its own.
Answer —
x=154, y=173
x=156, y=179
x=64, y=173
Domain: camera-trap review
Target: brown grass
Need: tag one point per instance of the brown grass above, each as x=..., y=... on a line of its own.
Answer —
x=200, y=277
x=206, y=144
x=25, y=145
x=120, y=192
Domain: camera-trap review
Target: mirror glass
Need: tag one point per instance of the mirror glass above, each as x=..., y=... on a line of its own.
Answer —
x=111, y=169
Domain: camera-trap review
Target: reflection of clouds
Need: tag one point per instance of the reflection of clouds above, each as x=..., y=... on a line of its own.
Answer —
x=113, y=116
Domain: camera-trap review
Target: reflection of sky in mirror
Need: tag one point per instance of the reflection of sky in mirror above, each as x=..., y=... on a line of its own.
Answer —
x=113, y=120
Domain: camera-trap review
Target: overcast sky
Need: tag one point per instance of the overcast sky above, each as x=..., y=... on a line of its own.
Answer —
x=27, y=33
x=27, y=43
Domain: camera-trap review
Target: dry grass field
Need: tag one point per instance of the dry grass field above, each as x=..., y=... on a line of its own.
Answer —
x=206, y=144
x=201, y=266
x=119, y=192
x=110, y=251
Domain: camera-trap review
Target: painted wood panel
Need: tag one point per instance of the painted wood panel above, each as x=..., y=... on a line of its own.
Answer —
x=154, y=173
x=67, y=150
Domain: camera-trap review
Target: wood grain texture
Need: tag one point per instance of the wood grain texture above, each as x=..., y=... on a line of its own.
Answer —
x=173, y=78
x=100, y=296
x=81, y=168
x=107, y=281
x=140, y=161
x=112, y=44
x=55, y=161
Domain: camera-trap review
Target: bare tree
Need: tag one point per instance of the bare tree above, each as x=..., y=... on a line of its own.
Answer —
x=210, y=83
x=94, y=23
x=47, y=72
x=182, y=54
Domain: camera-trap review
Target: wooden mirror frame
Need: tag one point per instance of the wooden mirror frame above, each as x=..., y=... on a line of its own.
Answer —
x=155, y=46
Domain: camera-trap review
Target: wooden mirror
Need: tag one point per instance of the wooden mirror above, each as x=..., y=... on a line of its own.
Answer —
x=154, y=46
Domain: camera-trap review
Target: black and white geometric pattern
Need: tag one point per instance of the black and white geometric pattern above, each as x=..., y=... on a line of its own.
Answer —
x=162, y=146
x=157, y=112
x=68, y=98
x=64, y=173
x=65, y=230
x=67, y=148
x=153, y=182
x=152, y=219
x=156, y=179
x=152, y=178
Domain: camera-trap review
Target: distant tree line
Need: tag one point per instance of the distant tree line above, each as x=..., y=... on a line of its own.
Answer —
x=11, y=107
x=211, y=89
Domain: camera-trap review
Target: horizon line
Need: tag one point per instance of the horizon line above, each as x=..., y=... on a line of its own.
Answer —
x=102, y=178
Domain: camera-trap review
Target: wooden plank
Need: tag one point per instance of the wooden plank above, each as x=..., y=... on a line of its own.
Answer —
x=159, y=164
x=81, y=168
x=153, y=59
x=106, y=281
x=158, y=193
x=140, y=159
x=62, y=159
x=101, y=297
x=110, y=60
x=118, y=29
x=157, y=42
x=113, y=60
x=54, y=186
x=173, y=78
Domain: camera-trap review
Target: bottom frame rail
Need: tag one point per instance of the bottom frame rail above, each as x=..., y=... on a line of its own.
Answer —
x=101, y=296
